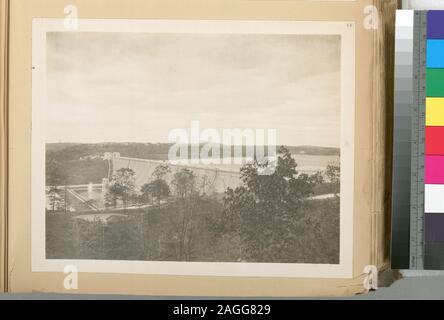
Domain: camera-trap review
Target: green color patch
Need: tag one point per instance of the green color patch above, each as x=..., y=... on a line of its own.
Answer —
x=435, y=82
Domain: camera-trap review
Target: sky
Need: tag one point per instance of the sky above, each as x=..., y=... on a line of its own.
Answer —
x=137, y=87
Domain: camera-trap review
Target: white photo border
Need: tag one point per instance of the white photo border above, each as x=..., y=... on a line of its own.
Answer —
x=346, y=30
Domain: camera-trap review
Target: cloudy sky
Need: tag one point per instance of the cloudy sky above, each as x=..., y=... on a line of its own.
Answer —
x=136, y=87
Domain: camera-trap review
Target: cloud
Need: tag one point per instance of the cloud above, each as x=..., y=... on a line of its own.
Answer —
x=137, y=87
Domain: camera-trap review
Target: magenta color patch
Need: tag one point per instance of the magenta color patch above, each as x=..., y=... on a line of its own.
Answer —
x=434, y=169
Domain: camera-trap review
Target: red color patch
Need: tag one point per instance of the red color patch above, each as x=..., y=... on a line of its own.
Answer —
x=434, y=140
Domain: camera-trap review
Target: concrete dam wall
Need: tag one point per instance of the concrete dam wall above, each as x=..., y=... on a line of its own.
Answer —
x=208, y=180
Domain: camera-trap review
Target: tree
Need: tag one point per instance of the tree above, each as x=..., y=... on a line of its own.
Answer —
x=206, y=187
x=110, y=200
x=145, y=194
x=122, y=186
x=156, y=190
x=185, y=187
x=184, y=182
x=333, y=174
x=122, y=240
x=55, y=180
x=161, y=171
x=263, y=211
x=317, y=178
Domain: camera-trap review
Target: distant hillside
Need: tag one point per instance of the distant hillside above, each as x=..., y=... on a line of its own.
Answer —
x=312, y=150
x=72, y=151
x=157, y=151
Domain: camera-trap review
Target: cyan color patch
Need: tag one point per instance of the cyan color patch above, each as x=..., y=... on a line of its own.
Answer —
x=435, y=53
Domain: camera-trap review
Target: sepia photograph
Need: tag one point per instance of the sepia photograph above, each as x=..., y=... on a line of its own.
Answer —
x=193, y=147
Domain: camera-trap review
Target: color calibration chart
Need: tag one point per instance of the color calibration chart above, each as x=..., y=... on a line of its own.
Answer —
x=418, y=165
x=418, y=178
x=434, y=143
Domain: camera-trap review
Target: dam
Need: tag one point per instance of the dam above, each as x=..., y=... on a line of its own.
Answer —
x=208, y=180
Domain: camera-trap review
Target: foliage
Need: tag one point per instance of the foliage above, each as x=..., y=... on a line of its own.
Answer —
x=158, y=189
x=161, y=171
x=122, y=241
x=156, y=236
x=269, y=218
x=56, y=198
x=56, y=178
x=333, y=174
x=184, y=183
x=122, y=186
x=59, y=236
x=70, y=237
x=267, y=214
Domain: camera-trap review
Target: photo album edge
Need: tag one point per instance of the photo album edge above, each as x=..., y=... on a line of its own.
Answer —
x=43, y=78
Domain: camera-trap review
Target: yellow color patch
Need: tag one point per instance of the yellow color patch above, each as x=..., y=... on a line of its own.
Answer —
x=435, y=112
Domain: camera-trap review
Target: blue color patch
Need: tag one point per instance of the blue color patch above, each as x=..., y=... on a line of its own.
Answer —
x=435, y=24
x=435, y=53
